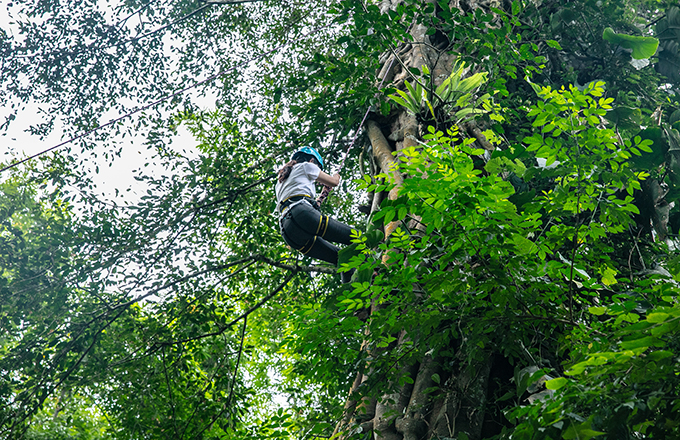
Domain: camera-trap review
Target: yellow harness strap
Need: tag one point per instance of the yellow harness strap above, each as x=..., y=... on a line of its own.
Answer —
x=323, y=225
x=304, y=249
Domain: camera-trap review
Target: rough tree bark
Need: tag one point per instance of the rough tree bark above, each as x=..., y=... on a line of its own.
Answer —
x=410, y=412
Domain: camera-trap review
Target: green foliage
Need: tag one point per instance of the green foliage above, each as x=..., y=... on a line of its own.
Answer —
x=667, y=32
x=138, y=308
x=455, y=91
x=74, y=419
x=549, y=261
x=77, y=334
x=596, y=170
x=639, y=349
x=642, y=47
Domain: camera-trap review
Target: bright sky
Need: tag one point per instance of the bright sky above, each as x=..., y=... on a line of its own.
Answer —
x=16, y=142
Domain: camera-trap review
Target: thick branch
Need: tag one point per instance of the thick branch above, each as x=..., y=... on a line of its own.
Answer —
x=412, y=423
x=472, y=130
x=387, y=162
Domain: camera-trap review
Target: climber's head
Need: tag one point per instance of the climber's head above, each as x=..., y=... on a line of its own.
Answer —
x=304, y=154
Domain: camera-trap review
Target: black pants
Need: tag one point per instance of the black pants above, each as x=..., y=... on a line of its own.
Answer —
x=308, y=231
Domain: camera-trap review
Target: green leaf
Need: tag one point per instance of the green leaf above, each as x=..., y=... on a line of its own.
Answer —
x=554, y=44
x=416, y=97
x=664, y=328
x=420, y=94
x=412, y=103
x=608, y=278
x=644, y=342
x=650, y=161
x=581, y=431
x=659, y=355
x=345, y=254
x=597, y=310
x=471, y=83
x=524, y=245
x=674, y=117
x=406, y=101
x=556, y=384
x=642, y=47
x=399, y=100
x=385, y=108
x=516, y=7
x=657, y=317
x=460, y=114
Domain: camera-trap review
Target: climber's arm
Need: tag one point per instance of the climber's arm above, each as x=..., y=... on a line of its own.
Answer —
x=328, y=180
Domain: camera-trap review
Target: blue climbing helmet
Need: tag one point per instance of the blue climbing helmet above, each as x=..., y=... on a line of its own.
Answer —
x=310, y=151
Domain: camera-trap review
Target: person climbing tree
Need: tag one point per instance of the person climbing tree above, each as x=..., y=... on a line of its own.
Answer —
x=303, y=226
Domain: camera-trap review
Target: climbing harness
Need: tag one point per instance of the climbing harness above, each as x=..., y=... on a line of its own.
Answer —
x=285, y=204
x=327, y=189
x=312, y=233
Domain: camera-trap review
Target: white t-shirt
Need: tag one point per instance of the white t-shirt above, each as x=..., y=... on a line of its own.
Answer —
x=300, y=182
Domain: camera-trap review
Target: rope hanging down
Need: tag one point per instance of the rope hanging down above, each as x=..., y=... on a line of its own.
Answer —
x=166, y=98
x=327, y=189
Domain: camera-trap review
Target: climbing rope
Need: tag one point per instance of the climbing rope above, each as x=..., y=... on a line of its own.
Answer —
x=327, y=189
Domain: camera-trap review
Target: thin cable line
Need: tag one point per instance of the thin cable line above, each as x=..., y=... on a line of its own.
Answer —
x=356, y=134
x=327, y=189
x=134, y=39
x=123, y=20
x=155, y=31
x=165, y=98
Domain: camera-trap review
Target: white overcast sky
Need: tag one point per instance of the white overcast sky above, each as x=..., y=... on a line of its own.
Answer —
x=18, y=143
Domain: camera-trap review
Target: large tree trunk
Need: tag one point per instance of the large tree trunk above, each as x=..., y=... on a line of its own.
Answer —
x=413, y=411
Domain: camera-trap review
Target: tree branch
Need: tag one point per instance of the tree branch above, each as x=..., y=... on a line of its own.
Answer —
x=255, y=257
x=233, y=380
x=242, y=316
x=250, y=260
x=170, y=398
x=20, y=419
x=236, y=192
x=229, y=2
